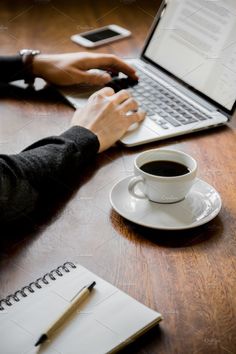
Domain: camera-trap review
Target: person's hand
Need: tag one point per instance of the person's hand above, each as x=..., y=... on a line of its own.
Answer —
x=74, y=68
x=105, y=114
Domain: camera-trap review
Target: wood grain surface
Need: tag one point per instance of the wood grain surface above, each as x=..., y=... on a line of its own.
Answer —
x=188, y=276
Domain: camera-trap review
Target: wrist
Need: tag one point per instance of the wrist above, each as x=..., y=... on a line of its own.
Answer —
x=37, y=65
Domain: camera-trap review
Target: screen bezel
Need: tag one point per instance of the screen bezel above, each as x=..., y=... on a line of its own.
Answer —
x=156, y=21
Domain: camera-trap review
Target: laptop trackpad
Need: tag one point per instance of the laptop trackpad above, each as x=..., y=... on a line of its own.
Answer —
x=139, y=133
x=78, y=95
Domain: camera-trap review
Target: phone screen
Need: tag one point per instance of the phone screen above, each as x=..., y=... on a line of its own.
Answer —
x=100, y=35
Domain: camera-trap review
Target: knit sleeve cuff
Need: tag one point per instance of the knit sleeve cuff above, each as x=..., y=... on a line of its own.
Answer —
x=86, y=141
x=12, y=68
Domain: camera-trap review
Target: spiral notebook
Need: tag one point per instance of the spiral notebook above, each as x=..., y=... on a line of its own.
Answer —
x=105, y=322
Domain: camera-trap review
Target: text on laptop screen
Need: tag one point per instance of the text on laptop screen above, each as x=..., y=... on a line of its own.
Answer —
x=195, y=41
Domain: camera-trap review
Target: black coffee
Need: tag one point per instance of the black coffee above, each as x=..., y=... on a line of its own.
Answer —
x=165, y=168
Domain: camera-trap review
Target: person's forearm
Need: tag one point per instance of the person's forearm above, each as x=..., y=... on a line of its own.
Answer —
x=41, y=170
x=11, y=68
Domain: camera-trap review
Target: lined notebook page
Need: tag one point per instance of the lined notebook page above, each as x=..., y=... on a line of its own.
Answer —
x=107, y=320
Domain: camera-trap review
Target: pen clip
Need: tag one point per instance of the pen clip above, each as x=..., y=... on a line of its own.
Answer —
x=89, y=287
x=77, y=293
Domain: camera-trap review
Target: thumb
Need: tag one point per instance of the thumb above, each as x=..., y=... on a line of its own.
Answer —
x=136, y=117
x=95, y=78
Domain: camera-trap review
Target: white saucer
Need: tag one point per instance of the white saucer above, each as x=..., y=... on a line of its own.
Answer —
x=201, y=205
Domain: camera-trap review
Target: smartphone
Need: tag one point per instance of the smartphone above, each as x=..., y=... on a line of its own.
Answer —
x=100, y=36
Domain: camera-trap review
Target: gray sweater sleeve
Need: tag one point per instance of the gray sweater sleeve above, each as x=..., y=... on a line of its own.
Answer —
x=41, y=170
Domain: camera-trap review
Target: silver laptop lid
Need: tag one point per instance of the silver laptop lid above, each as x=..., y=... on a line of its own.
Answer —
x=194, y=42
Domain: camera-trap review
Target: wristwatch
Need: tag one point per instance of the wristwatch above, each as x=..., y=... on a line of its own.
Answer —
x=27, y=59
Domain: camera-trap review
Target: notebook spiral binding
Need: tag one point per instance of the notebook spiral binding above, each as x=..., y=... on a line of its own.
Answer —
x=37, y=284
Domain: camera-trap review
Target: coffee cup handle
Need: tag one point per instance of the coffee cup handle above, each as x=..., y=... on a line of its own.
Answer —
x=132, y=183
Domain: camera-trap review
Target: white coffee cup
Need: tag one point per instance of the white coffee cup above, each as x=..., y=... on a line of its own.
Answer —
x=158, y=188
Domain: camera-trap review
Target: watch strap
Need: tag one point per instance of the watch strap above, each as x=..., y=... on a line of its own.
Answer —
x=27, y=56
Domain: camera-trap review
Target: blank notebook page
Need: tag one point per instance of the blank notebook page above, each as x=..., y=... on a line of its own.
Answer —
x=106, y=321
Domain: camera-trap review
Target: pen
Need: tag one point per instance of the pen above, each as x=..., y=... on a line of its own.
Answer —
x=81, y=296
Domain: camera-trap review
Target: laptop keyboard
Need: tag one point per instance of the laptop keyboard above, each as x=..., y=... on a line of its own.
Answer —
x=160, y=103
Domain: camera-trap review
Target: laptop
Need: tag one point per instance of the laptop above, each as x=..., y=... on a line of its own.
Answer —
x=187, y=71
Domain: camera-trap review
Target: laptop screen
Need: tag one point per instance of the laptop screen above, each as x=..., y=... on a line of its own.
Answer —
x=196, y=42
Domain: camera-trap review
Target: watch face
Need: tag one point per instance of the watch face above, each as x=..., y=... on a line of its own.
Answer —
x=29, y=51
x=35, y=52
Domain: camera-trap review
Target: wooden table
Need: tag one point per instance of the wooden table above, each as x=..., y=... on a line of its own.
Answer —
x=188, y=276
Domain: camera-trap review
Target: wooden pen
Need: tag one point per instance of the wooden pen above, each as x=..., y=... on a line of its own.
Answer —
x=80, y=297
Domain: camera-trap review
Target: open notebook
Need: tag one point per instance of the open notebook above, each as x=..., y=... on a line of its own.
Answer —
x=107, y=320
